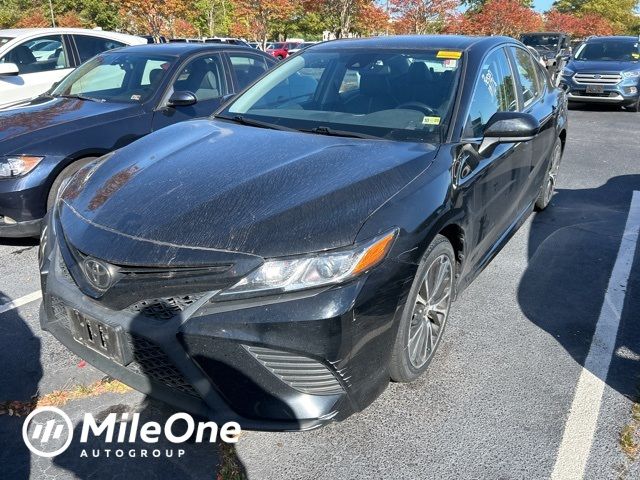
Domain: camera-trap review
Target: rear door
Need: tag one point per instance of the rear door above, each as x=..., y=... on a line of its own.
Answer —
x=206, y=78
x=41, y=61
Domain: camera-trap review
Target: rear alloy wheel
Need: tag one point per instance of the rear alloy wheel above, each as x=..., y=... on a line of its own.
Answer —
x=425, y=313
x=549, y=185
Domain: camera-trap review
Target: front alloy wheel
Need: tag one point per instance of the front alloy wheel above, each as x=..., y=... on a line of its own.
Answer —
x=425, y=313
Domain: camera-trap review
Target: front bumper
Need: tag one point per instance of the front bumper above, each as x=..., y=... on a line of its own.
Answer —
x=289, y=363
x=619, y=94
x=24, y=200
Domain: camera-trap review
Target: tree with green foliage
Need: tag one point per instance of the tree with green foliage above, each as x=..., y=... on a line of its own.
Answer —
x=620, y=13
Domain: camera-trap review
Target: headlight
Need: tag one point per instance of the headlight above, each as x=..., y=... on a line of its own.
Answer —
x=567, y=73
x=632, y=74
x=17, y=165
x=328, y=268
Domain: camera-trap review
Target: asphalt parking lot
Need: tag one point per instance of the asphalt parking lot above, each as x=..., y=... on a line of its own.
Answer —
x=497, y=400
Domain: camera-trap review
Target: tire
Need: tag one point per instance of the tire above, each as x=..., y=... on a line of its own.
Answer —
x=63, y=175
x=549, y=183
x=415, y=345
x=634, y=107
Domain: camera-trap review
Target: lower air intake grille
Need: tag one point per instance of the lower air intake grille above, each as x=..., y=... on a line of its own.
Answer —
x=302, y=373
x=151, y=361
x=163, y=308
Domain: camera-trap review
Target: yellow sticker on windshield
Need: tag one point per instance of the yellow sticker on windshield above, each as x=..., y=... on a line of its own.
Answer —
x=450, y=54
x=431, y=121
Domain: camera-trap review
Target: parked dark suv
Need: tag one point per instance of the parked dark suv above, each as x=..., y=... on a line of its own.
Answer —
x=605, y=70
x=554, y=48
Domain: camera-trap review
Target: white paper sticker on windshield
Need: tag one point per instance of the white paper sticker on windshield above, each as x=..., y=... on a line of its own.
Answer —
x=431, y=121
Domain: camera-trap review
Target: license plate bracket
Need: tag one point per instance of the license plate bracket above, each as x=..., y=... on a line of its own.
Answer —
x=100, y=337
x=595, y=88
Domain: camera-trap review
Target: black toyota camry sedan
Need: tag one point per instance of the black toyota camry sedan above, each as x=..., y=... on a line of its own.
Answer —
x=278, y=263
x=107, y=103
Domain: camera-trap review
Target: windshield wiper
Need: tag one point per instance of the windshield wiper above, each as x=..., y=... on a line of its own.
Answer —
x=338, y=133
x=255, y=123
x=82, y=97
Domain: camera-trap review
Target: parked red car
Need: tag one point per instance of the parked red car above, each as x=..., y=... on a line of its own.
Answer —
x=281, y=50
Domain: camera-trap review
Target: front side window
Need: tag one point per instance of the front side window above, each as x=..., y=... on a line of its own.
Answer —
x=204, y=77
x=247, y=68
x=494, y=92
x=360, y=92
x=529, y=82
x=42, y=54
x=91, y=46
x=116, y=77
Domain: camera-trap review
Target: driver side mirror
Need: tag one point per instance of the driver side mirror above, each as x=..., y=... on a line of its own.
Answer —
x=508, y=127
x=182, y=99
x=9, y=70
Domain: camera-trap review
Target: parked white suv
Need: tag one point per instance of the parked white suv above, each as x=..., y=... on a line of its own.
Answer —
x=33, y=59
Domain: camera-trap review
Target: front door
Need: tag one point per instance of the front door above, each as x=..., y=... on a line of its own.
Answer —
x=41, y=62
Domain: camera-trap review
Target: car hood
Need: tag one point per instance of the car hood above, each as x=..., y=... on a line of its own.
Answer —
x=43, y=116
x=581, y=66
x=208, y=184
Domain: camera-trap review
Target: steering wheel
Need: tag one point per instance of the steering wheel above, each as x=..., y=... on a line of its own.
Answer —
x=421, y=107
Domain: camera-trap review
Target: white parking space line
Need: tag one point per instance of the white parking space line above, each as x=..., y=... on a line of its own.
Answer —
x=581, y=424
x=20, y=301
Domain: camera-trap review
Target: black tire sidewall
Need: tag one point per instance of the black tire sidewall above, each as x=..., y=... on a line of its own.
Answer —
x=401, y=369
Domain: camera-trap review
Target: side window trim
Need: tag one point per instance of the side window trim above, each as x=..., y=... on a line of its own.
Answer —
x=73, y=50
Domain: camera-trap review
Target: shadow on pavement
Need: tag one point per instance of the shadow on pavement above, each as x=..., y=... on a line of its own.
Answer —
x=572, y=248
x=20, y=374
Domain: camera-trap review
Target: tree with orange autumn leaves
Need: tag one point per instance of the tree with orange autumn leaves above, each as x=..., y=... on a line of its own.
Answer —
x=281, y=19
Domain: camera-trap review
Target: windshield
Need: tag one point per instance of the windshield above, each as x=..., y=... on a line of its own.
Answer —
x=357, y=92
x=116, y=77
x=4, y=40
x=548, y=42
x=614, y=51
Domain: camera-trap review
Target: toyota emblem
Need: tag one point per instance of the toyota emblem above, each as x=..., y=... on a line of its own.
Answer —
x=97, y=273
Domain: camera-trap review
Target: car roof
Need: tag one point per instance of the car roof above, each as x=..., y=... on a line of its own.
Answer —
x=612, y=38
x=25, y=32
x=544, y=33
x=180, y=48
x=417, y=42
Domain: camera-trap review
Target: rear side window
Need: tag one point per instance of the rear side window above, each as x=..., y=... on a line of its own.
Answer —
x=494, y=91
x=91, y=46
x=247, y=67
x=530, y=84
x=41, y=54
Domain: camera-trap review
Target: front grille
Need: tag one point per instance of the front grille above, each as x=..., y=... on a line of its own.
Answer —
x=301, y=373
x=164, y=308
x=583, y=93
x=63, y=270
x=151, y=361
x=598, y=78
